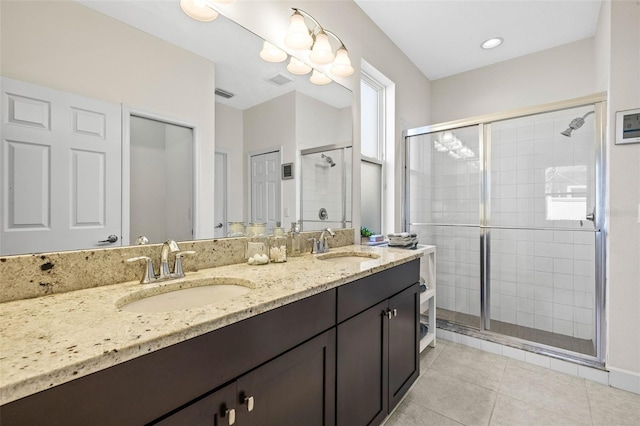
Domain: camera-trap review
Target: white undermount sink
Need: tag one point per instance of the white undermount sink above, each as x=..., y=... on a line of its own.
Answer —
x=184, y=294
x=347, y=257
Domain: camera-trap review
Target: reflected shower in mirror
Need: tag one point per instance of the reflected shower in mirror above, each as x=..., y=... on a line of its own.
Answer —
x=150, y=58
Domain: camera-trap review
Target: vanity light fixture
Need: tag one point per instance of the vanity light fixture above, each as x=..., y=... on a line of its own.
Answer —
x=271, y=53
x=318, y=78
x=297, y=67
x=202, y=10
x=300, y=37
x=492, y=43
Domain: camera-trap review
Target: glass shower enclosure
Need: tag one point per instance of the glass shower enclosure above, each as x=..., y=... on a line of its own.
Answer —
x=325, y=189
x=514, y=204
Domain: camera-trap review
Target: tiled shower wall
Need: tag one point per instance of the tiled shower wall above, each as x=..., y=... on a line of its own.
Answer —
x=543, y=279
x=323, y=189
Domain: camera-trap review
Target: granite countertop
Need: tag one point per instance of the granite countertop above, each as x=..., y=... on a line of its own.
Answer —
x=53, y=339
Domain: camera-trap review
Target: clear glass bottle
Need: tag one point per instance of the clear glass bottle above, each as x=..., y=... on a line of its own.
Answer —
x=278, y=246
x=257, y=249
x=293, y=240
x=236, y=229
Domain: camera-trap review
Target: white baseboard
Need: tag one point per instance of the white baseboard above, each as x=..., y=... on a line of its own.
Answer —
x=623, y=379
x=616, y=378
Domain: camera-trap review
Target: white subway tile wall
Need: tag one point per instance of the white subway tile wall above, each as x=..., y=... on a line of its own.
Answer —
x=323, y=188
x=542, y=279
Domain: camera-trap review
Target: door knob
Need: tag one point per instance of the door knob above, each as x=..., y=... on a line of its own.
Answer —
x=110, y=239
x=219, y=225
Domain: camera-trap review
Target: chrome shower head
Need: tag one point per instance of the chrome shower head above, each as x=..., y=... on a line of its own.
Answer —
x=575, y=124
x=328, y=160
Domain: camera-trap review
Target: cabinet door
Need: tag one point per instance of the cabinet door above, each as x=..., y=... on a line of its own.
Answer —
x=404, y=341
x=297, y=388
x=217, y=409
x=362, y=368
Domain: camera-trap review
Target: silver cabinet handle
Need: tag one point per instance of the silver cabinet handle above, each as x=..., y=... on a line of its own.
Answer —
x=591, y=217
x=389, y=313
x=110, y=239
x=248, y=400
x=395, y=312
x=219, y=225
x=231, y=416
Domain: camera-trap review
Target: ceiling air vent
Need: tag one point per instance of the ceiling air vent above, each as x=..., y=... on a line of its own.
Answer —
x=224, y=93
x=279, y=80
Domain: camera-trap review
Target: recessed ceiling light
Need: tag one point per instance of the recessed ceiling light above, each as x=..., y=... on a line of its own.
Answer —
x=492, y=43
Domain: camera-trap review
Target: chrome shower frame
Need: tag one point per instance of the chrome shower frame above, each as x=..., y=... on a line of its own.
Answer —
x=598, y=101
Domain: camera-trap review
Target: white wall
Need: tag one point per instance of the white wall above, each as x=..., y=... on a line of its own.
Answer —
x=229, y=139
x=115, y=63
x=624, y=194
x=364, y=40
x=563, y=72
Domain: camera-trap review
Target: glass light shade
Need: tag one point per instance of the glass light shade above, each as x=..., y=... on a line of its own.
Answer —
x=298, y=36
x=270, y=53
x=342, y=65
x=318, y=78
x=298, y=67
x=321, y=53
x=198, y=10
x=224, y=1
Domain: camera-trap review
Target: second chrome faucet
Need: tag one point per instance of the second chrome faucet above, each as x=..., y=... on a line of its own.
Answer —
x=164, y=272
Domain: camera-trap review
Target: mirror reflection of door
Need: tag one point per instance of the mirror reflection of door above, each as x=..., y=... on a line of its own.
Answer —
x=220, y=191
x=61, y=184
x=265, y=189
x=161, y=180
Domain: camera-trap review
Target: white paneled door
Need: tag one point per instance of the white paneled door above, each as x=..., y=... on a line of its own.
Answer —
x=60, y=182
x=265, y=188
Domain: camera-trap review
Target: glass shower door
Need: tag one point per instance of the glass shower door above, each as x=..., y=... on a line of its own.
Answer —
x=444, y=210
x=541, y=238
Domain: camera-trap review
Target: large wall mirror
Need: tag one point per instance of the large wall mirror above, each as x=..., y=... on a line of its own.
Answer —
x=128, y=118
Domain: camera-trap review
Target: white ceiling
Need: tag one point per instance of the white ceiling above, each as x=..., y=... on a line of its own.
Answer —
x=443, y=37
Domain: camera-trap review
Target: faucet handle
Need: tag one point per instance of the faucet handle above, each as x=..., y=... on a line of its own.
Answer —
x=148, y=274
x=315, y=245
x=177, y=267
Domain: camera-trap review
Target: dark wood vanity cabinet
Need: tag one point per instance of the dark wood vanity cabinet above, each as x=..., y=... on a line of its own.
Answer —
x=378, y=347
x=296, y=388
x=345, y=356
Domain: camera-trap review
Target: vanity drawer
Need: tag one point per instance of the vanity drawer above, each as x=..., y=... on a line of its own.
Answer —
x=359, y=295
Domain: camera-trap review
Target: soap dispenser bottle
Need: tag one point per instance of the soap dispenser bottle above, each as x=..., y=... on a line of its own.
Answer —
x=294, y=239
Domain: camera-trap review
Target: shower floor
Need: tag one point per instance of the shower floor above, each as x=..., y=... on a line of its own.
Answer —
x=561, y=341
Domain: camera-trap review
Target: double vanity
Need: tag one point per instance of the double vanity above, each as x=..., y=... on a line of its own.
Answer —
x=319, y=340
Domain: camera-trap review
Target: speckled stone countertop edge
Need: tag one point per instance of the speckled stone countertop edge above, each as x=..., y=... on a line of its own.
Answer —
x=39, y=353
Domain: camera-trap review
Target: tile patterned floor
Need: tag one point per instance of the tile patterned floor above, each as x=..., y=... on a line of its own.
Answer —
x=460, y=385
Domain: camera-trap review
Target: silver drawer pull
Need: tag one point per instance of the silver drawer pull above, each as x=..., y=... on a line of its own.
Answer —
x=231, y=415
x=248, y=400
x=389, y=313
x=395, y=312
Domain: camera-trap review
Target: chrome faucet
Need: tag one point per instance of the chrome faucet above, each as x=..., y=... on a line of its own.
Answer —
x=168, y=246
x=321, y=245
x=164, y=273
